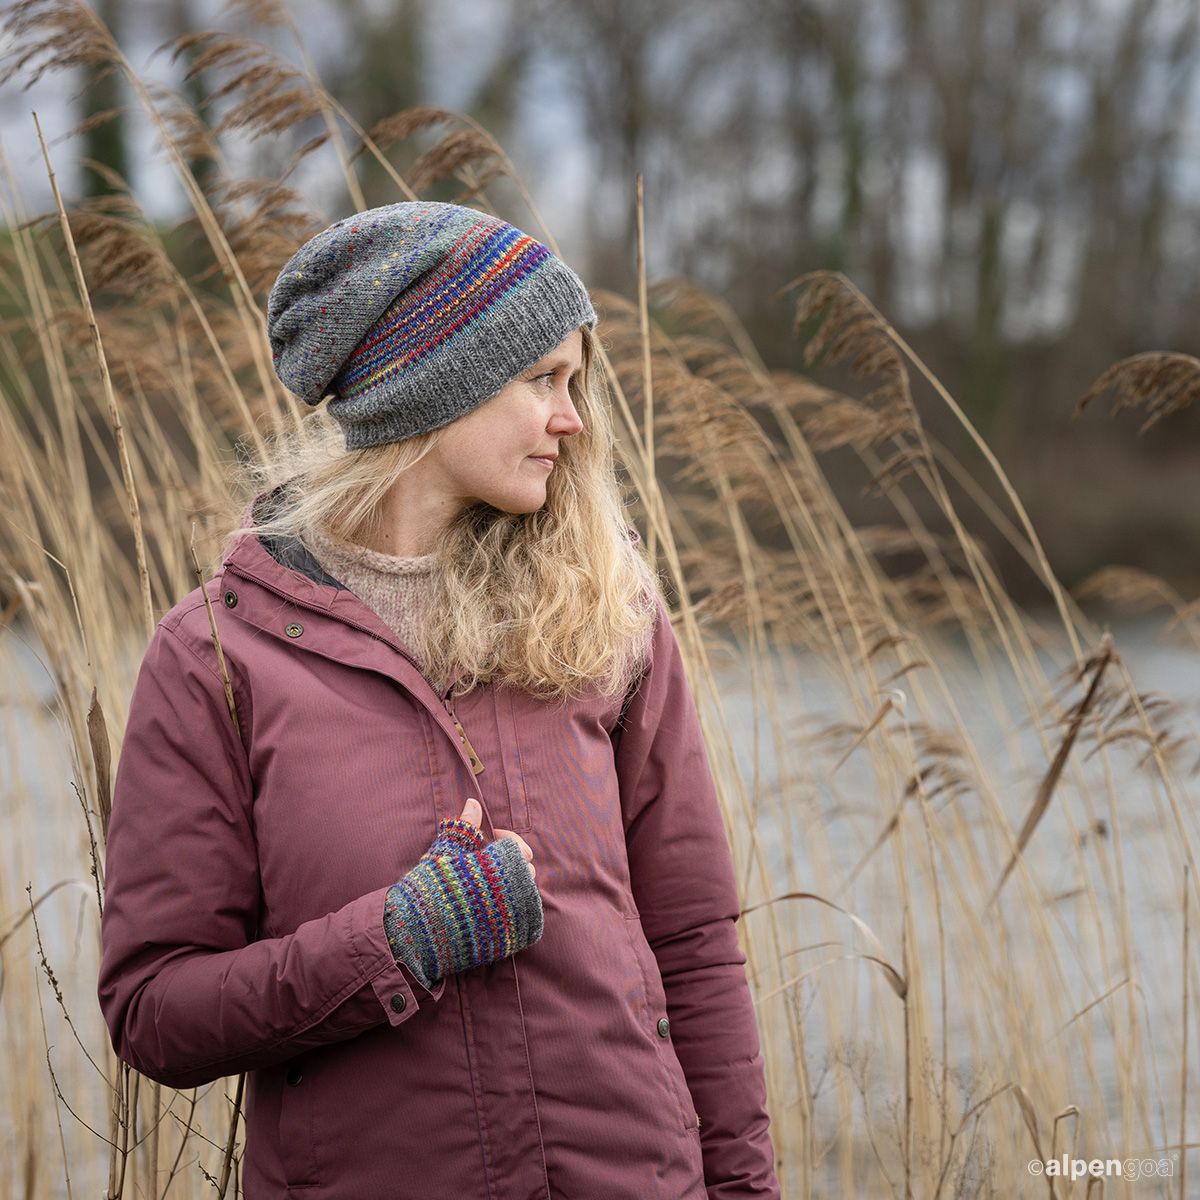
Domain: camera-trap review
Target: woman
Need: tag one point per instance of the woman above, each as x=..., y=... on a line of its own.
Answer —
x=433, y=619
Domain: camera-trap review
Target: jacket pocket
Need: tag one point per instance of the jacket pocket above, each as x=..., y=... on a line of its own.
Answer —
x=517, y=818
x=297, y=1145
x=654, y=1014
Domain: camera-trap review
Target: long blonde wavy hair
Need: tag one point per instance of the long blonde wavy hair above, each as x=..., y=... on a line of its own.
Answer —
x=559, y=601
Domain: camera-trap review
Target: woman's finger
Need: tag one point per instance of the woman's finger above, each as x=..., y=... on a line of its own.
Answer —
x=525, y=850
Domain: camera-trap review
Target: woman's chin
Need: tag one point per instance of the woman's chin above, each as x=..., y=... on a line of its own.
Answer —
x=525, y=502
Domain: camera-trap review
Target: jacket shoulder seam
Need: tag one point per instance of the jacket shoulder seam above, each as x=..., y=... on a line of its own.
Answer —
x=173, y=629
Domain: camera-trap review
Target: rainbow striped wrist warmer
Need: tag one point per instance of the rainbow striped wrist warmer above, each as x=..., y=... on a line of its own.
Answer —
x=464, y=904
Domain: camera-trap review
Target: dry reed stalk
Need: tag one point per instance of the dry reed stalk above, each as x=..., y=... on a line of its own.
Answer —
x=846, y=340
x=860, y=339
x=231, y=1133
x=1002, y=615
x=102, y=767
x=283, y=14
x=227, y=1159
x=67, y=31
x=1096, y=666
x=1185, y=1016
x=1011, y=534
x=857, y=340
x=711, y=453
x=644, y=332
x=1162, y=382
x=231, y=704
x=114, y=413
x=895, y=978
x=128, y=253
x=915, y=525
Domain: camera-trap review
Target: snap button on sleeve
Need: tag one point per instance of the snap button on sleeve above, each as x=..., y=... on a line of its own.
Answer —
x=664, y=1027
x=398, y=1002
x=294, y=1076
x=293, y=630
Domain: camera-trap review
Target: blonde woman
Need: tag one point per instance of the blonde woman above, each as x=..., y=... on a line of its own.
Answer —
x=449, y=878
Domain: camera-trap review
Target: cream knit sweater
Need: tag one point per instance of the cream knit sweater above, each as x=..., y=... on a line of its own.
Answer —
x=396, y=586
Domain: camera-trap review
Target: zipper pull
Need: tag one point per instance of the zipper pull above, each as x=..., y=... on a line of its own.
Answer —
x=476, y=761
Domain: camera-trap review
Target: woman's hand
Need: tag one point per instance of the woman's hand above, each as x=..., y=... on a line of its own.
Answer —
x=466, y=903
x=473, y=812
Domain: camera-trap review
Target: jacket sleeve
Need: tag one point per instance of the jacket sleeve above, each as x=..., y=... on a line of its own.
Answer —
x=187, y=990
x=684, y=885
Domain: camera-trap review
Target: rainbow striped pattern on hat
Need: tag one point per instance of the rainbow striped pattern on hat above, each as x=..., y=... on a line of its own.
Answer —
x=486, y=263
x=413, y=314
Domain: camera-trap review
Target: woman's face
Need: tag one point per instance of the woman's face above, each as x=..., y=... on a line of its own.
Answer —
x=491, y=453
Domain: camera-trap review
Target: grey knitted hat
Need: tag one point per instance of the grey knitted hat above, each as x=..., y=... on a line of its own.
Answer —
x=415, y=313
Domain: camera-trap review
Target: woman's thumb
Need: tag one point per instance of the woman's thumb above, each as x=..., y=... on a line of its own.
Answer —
x=472, y=811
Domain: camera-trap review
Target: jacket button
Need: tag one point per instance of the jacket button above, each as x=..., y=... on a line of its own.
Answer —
x=294, y=630
x=664, y=1027
x=294, y=1076
x=231, y=599
x=398, y=1002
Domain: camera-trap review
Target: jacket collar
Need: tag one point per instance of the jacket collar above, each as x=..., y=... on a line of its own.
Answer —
x=286, y=567
x=287, y=551
x=268, y=569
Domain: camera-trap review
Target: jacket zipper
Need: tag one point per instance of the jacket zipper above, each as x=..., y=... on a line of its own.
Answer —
x=474, y=761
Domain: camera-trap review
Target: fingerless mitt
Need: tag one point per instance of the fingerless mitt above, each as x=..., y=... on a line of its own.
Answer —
x=464, y=904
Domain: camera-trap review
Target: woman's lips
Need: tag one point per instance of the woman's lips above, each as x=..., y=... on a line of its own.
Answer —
x=546, y=462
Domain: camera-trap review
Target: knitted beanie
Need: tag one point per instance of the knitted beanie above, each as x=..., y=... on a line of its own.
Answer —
x=415, y=313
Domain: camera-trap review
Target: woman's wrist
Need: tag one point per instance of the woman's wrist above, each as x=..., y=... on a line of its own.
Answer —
x=402, y=942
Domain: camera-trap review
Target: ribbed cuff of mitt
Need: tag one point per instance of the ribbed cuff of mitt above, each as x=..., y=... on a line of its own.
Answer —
x=464, y=904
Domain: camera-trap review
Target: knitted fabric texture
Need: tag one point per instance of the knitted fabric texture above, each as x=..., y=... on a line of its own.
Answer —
x=414, y=313
x=465, y=904
x=397, y=587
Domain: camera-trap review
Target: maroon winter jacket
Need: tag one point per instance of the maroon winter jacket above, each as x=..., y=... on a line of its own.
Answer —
x=617, y=1058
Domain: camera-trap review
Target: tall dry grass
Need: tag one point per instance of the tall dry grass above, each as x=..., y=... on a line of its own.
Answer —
x=911, y=765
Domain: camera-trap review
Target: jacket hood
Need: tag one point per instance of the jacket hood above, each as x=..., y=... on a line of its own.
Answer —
x=287, y=551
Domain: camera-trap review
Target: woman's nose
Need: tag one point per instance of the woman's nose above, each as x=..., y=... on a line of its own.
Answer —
x=566, y=418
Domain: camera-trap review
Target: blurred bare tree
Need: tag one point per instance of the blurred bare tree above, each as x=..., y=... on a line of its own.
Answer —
x=104, y=139
x=179, y=16
x=390, y=68
x=1009, y=181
